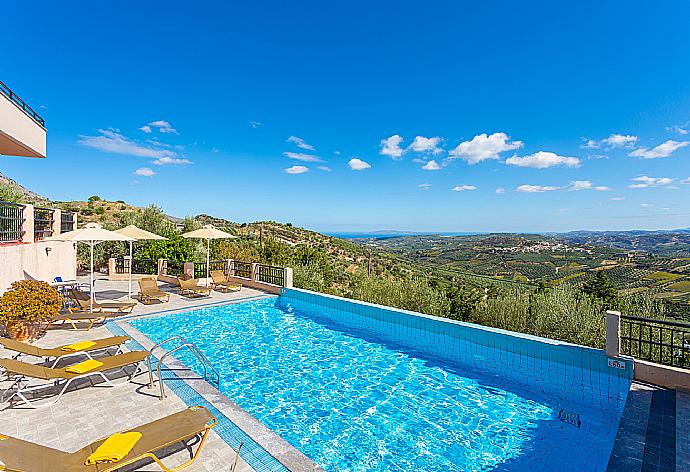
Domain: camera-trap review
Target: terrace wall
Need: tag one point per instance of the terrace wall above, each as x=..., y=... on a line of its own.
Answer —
x=24, y=255
x=39, y=261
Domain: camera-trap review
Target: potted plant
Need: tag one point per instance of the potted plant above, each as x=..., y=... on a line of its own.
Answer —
x=26, y=306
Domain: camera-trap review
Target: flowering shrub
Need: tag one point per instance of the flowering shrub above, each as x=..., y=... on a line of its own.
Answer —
x=29, y=301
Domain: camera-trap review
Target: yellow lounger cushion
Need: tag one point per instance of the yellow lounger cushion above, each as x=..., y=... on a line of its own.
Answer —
x=80, y=346
x=83, y=367
x=114, y=448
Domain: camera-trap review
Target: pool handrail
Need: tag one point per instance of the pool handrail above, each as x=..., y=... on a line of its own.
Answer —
x=185, y=344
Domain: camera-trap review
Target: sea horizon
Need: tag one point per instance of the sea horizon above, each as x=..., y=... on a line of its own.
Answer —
x=395, y=234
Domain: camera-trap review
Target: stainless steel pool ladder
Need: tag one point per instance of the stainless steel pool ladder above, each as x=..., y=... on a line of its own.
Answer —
x=185, y=344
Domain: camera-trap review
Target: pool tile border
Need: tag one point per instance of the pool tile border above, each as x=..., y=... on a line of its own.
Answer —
x=263, y=449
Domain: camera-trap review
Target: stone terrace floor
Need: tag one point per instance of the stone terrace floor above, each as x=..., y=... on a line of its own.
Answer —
x=654, y=434
x=87, y=414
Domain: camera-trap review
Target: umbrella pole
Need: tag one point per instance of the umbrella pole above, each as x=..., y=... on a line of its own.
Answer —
x=129, y=293
x=91, y=283
x=208, y=259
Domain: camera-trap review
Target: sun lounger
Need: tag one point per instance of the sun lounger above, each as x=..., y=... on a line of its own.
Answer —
x=83, y=348
x=148, y=291
x=82, y=302
x=19, y=455
x=22, y=373
x=90, y=317
x=221, y=283
x=192, y=287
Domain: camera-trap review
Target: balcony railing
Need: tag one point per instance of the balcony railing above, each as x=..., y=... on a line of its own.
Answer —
x=11, y=222
x=5, y=90
x=200, y=268
x=270, y=274
x=43, y=223
x=173, y=268
x=241, y=269
x=139, y=266
x=659, y=341
x=66, y=221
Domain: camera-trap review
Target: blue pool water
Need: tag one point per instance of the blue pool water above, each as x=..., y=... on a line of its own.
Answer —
x=353, y=400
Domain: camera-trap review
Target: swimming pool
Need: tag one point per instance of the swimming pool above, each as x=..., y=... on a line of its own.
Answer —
x=353, y=394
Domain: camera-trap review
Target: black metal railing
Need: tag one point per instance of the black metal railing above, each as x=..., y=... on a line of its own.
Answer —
x=43, y=223
x=66, y=221
x=121, y=266
x=145, y=266
x=200, y=268
x=5, y=90
x=270, y=274
x=241, y=269
x=139, y=266
x=11, y=222
x=173, y=268
x=661, y=341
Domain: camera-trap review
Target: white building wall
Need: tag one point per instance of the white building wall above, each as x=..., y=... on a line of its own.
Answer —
x=40, y=261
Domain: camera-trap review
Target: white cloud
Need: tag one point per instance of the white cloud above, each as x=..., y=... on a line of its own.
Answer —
x=163, y=127
x=483, y=147
x=112, y=141
x=666, y=208
x=589, y=144
x=157, y=143
x=662, y=150
x=324, y=168
x=685, y=181
x=536, y=188
x=431, y=165
x=422, y=144
x=646, y=205
x=500, y=190
x=255, y=124
x=620, y=140
x=617, y=199
x=391, y=147
x=358, y=164
x=645, y=182
x=300, y=156
x=577, y=185
x=296, y=170
x=145, y=129
x=300, y=143
x=681, y=129
x=424, y=186
x=543, y=160
x=463, y=188
x=145, y=172
x=163, y=161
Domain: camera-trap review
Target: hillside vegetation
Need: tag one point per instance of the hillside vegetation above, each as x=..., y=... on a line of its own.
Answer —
x=468, y=281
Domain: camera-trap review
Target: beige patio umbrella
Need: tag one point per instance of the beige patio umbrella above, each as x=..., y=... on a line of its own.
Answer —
x=91, y=234
x=208, y=233
x=139, y=234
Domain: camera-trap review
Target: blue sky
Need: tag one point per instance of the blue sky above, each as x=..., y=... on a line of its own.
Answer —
x=444, y=116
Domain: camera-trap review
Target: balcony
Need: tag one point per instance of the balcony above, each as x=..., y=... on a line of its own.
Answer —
x=22, y=130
